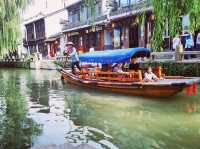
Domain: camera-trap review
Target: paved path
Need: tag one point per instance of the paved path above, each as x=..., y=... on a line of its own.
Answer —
x=64, y=146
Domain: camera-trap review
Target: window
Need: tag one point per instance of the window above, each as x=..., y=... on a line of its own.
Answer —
x=124, y=3
x=98, y=10
x=74, y=16
x=83, y=13
x=132, y=2
x=40, y=29
x=93, y=39
x=30, y=31
x=89, y=12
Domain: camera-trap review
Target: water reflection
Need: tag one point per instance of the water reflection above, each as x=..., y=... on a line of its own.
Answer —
x=80, y=113
x=36, y=108
x=17, y=130
x=191, y=107
x=140, y=123
x=40, y=96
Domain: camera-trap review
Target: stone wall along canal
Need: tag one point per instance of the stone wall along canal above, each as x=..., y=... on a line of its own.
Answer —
x=38, y=109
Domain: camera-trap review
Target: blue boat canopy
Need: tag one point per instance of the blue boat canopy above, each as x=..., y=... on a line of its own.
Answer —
x=114, y=56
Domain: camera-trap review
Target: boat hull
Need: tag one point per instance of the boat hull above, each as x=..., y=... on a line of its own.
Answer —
x=136, y=89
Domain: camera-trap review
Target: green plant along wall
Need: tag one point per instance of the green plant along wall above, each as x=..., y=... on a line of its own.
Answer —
x=176, y=69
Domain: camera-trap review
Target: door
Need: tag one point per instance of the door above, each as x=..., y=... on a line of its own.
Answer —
x=134, y=37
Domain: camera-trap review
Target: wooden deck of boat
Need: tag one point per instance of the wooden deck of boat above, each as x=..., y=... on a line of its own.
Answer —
x=161, y=89
x=168, y=81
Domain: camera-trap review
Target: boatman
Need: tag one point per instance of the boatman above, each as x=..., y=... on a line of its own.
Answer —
x=72, y=52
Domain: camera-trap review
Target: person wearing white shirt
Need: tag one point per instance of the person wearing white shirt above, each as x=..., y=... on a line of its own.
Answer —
x=91, y=49
x=189, y=42
x=149, y=76
x=198, y=42
x=118, y=68
x=176, y=41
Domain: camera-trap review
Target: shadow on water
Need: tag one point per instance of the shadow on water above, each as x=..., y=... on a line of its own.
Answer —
x=109, y=93
x=17, y=130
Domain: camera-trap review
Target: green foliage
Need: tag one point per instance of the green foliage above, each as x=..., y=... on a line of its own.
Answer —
x=62, y=64
x=18, y=64
x=91, y=4
x=165, y=11
x=170, y=12
x=195, y=15
x=10, y=24
x=177, y=69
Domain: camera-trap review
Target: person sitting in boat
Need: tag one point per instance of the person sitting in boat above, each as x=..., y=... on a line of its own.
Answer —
x=134, y=66
x=118, y=68
x=149, y=76
x=72, y=52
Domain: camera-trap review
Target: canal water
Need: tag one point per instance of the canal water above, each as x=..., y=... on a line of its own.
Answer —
x=37, y=108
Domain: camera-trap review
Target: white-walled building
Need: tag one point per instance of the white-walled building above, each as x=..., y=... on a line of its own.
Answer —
x=42, y=20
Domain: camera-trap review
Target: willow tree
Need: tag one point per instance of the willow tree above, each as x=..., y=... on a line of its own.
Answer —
x=10, y=11
x=169, y=12
x=195, y=15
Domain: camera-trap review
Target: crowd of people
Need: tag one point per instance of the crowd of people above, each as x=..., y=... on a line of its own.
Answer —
x=186, y=42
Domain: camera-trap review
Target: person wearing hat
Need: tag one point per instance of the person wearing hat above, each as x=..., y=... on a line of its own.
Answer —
x=72, y=52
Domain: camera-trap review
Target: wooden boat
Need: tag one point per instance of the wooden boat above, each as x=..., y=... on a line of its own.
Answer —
x=125, y=82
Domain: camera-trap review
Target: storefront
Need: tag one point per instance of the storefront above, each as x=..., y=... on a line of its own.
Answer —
x=53, y=46
x=129, y=33
x=84, y=39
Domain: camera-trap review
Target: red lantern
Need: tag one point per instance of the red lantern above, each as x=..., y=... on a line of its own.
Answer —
x=189, y=90
x=195, y=89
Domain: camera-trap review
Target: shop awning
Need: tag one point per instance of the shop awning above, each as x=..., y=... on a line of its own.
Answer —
x=114, y=56
x=51, y=39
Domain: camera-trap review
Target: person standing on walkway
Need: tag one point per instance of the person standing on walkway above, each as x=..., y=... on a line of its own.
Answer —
x=189, y=44
x=176, y=41
x=72, y=52
x=198, y=41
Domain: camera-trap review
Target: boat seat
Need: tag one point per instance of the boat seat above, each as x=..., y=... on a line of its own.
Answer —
x=119, y=76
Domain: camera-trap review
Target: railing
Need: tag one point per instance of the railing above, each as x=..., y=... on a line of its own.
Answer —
x=119, y=76
x=137, y=5
x=92, y=72
x=162, y=56
x=88, y=22
x=62, y=58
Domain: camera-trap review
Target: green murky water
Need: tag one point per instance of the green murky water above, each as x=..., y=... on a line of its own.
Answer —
x=36, y=108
